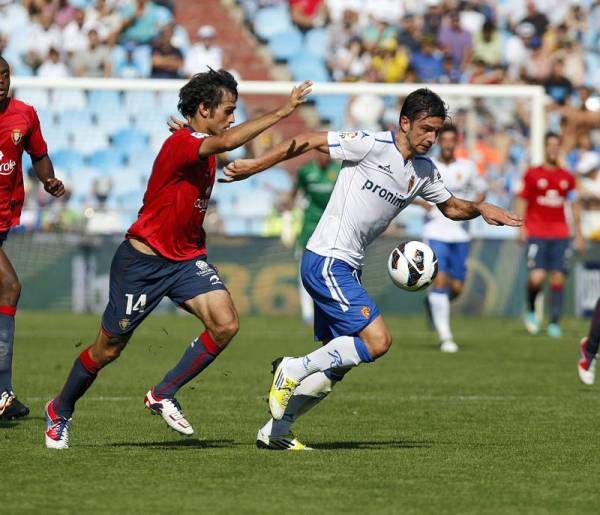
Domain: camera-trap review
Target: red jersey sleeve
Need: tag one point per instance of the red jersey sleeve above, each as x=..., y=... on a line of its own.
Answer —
x=186, y=146
x=35, y=145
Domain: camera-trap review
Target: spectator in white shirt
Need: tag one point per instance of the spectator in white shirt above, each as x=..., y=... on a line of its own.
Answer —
x=42, y=36
x=203, y=53
x=53, y=67
x=75, y=38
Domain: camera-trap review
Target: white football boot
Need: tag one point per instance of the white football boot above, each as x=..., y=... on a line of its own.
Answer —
x=170, y=410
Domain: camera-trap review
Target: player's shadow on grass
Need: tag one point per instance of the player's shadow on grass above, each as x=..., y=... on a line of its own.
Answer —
x=7, y=424
x=374, y=444
x=174, y=445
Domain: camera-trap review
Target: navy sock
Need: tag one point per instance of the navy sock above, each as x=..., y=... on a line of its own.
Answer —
x=594, y=337
x=82, y=375
x=201, y=353
x=532, y=293
x=557, y=294
x=7, y=340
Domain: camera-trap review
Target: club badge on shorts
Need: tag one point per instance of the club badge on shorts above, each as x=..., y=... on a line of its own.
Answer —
x=16, y=135
x=365, y=311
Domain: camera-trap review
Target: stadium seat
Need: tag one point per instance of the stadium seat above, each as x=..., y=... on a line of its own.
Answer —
x=285, y=45
x=37, y=97
x=142, y=55
x=139, y=101
x=316, y=41
x=168, y=100
x=112, y=121
x=67, y=159
x=181, y=39
x=141, y=160
x=26, y=162
x=63, y=99
x=47, y=119
x=117, y=57
x=73, y=120
x=271, y=21
x=151, y=121
x=90, y=139
x=129, y=140
x=332, y=108
x=102, y=101
x=55, y=137
x=308, y=67
x=81, y=183
x=164, y=15
x=275, y=179
x=106, y=160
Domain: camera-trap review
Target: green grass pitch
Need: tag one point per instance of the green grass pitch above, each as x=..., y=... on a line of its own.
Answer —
x=504, y=426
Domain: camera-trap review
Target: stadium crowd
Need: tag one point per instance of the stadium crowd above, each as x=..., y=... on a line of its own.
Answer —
x=541, y=42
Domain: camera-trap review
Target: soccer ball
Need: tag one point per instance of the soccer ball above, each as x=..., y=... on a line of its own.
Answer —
x=412, y=265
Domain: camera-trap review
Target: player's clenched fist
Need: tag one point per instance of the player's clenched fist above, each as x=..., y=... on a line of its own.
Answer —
x=54, y=186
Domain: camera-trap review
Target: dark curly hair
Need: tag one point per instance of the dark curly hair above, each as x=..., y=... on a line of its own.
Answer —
x=423, y=101
x=205, y=88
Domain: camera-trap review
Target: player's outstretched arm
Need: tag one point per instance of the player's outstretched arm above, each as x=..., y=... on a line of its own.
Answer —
x=241, y=169
x=244, y=132
x=459, y=209
x=45, y=172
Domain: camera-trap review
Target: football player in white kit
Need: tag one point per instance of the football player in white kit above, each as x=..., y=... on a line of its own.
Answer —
x=381, y=174
x=448, y=239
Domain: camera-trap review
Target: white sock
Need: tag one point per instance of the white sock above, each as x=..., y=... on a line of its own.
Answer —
x=312, y=390
x=343, y=351
x=440, y=312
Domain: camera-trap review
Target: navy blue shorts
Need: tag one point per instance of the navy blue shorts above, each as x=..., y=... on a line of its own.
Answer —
x=3, y=236
x=342, y=306
x=452, y=257
x=548, y=253
x=138, y=282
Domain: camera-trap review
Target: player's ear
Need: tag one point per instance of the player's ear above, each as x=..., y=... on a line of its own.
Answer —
x=204, y=111
x=404, y=124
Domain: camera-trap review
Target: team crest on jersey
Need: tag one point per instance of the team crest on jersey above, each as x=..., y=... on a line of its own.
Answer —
x=411, y=183
x=16, y=135
x=365, y=311
x=564, y=184
x=199, y=135
x=124, y=323
x=349, y=136
x=542, y=183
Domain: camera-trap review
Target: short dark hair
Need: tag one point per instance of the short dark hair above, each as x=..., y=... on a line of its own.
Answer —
x=2, y=60
x=550, y=135
x=423, y=101
x=448, y=127
x=205, y=88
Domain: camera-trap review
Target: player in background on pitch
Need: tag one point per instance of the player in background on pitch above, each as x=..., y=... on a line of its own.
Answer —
x=381, y=174
x=589, y=349
x=545, y=190
x=448, y=239
x=19, y=132
x=314, y=181
x=164, y=253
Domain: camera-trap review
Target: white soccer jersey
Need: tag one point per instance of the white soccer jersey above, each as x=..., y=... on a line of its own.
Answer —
x=462, y=178
x=374, y=185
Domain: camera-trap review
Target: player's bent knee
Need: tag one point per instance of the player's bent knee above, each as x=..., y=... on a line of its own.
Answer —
x=223, y=332
x=379, y=344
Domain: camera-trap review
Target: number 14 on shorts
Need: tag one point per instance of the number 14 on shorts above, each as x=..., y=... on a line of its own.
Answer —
x=133, y=305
